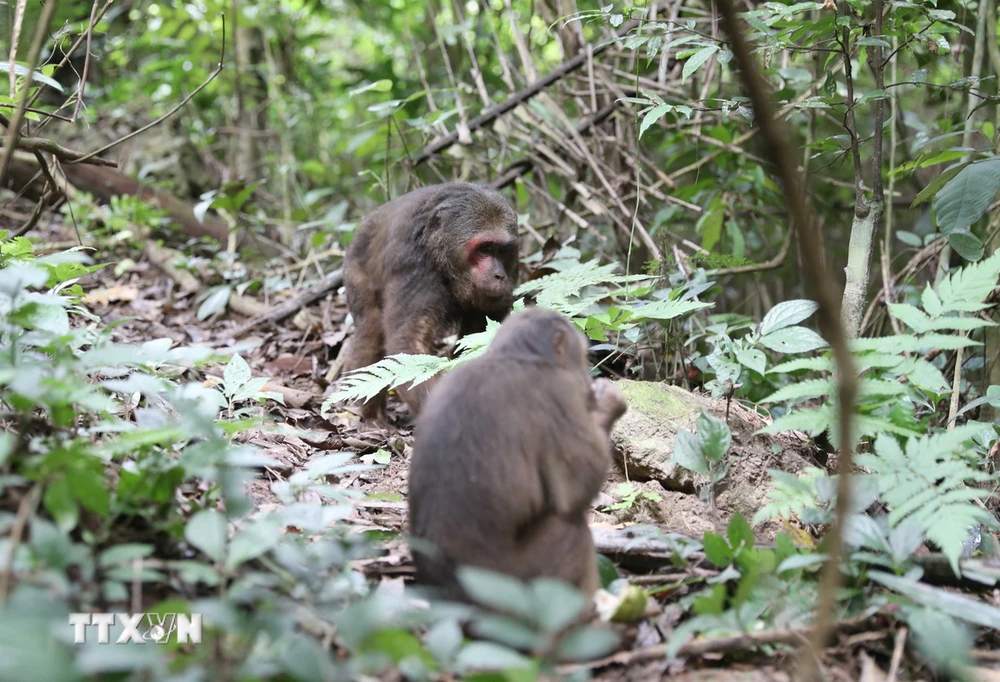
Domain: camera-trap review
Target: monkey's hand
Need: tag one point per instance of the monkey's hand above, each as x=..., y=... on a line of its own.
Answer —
x=609, y=406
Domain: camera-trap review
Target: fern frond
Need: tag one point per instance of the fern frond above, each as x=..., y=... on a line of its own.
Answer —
x=395, y=370
x=964, y=289
x=928, y=483
x=667, y=310
x=866, y=361
x=817, y=364
x=811, y=421
x=803, y=390
x=563, y=291
x=879, y=387
x=907, y=343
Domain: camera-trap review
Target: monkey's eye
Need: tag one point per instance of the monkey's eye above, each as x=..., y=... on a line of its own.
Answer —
x=487, y=249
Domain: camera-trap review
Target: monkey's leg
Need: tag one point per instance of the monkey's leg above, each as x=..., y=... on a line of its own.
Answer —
x=557, y=548
x=415, y=331
x=367, y=346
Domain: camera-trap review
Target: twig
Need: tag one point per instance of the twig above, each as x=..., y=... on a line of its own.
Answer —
x=66, y=57
x=24, y=510
x=279, y=313
x=824, y=288
x=526, y=165
x=43, y=144
x=772, y=264
x=14, y=128
x=897, y=653
x=717, y=645
x=518, y=98
x=86, y=62
x=211, y=77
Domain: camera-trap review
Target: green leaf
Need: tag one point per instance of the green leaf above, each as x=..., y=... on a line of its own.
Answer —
x=697, y=59
x=717, y=550
x=37, y=76
x=715, y=437
x=654, y=115
x=207, y=532
x=753, y=359
x=793, y=340
x=502, y=592
x=489, y=656
x=787, y=313
x=384, y=85
x=443, y=640
x=964, y=200
x=215, y=302
x=957, y=605
x=587, y=644
x=256, y=538
x=236, y=374
x=967, y=245
x=558, y=603
x=60, y=505
x=687, y=452
x=667, y=310
x=90, y=489
x=911, y=316
x=932, y=188
x=740, y=533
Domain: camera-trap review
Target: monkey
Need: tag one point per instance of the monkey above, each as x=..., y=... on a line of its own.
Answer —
x=435, y=260
x=509, y=453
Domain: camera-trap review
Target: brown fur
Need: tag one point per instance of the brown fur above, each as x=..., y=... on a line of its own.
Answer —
x=509, y=453
x=410, y=278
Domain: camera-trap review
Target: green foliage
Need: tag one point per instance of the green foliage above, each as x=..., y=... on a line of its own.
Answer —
x=629, y=494
x=573, y=290
x=929, y=484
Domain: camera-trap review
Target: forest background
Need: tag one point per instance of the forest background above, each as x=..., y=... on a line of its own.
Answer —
x=181, y=181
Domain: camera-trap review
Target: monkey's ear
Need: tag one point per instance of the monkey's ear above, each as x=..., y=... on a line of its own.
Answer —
x=560, y=343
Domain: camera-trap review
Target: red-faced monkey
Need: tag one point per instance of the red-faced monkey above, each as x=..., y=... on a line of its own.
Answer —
x=436, y=260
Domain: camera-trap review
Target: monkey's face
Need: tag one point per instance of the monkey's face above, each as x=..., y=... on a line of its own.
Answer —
x=491, y=272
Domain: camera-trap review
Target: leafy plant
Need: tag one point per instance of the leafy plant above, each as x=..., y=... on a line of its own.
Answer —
x=629, y=495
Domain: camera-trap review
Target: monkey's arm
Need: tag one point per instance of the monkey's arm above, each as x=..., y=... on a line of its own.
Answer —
x=413, y=319
x=609, y=405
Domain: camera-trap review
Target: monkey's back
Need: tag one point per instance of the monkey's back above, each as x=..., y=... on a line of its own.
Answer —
x=476, y=486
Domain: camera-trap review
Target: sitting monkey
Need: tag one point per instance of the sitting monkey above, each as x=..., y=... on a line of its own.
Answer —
x=510, y=451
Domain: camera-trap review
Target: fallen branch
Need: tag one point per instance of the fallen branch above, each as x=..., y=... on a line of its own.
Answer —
x=527, y=165
x=721, y=645
x=278, y=313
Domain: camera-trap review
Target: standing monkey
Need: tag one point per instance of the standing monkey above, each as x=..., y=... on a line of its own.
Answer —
x=438, y=259
x=509, y=453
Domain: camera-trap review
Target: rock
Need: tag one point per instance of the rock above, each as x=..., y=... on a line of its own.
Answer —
x=643, y=439
x=643, y=442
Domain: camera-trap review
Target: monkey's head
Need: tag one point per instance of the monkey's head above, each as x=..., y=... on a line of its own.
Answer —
x=471, y=237
x=541, y=335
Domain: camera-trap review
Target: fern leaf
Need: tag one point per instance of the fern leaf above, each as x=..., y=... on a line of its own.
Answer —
x=927, y=482
x=819, y=364
x=907, y=343
x=667, y=310
x=965, y=289
x=811, y=421
x=879, y=387
x=803, y=390
x=558, y=290
x=395, y=370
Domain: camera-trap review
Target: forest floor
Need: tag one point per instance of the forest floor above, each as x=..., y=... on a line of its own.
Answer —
x=147, y=304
